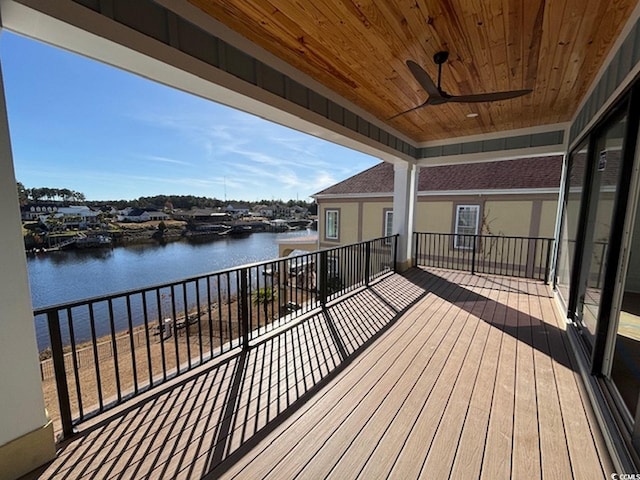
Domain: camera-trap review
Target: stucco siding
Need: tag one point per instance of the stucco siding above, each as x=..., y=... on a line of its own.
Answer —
x=548, y=219
x=373, y=219
x=512, y=218
x=434, y=216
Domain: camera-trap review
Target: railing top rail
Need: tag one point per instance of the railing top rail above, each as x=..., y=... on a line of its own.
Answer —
x=483, y=235
x=151, y=288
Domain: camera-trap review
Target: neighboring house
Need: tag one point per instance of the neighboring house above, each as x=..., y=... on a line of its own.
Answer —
x=237, y=211
x=297, y=212
x=277, y=210
x=140, y=215
x=35, y=211
x=77, y=216
x=263, y=211
x=512, y=197
x=157, y=216
x=133, y=215
x=200, y=215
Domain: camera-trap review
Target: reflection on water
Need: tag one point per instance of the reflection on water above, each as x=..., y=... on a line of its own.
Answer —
x=60, y=277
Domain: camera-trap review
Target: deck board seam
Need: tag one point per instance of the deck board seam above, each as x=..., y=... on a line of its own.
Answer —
x=390, y=390
x=479, y=321
x=467, y=293
x=475, y=382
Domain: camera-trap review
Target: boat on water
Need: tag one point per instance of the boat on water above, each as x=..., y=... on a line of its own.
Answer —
x=240, y=230
x=93, y=241
x=79, y=240
x=207, y=232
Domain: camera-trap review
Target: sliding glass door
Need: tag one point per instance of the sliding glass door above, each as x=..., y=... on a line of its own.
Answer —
x=625, y=365
x=602, y=183
x=571, y=214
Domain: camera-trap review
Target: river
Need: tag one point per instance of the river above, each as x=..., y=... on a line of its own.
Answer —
x=60, y=277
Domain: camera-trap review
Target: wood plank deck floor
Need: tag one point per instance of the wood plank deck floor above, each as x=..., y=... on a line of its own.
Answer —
x=430, y=374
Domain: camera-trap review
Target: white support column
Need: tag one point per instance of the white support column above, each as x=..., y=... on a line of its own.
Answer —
x=405, y=194
x=26, y=435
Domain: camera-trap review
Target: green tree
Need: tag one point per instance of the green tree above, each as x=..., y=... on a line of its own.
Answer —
x=23, y=194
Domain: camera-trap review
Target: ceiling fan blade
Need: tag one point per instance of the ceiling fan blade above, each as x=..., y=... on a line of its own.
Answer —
x=487, y=97
x=410, y=110
x=423, y=79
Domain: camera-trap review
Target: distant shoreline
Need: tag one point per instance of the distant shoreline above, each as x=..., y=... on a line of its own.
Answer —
x=139, y=233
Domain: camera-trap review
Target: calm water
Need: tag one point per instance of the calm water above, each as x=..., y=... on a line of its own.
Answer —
x=60, y=277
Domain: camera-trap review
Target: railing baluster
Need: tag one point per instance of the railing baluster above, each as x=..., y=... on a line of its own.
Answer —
x=209, y=316
x=520, y=259
x=116, y=365
x=473, y=256
x=219, y=310
x=74, y=361
x=186, y=322
x=323, y=278
x=134, y=366
x=174, y=322
x=367, y=261
x=244, y=307
x=532, y=261
x=145, y=316
x=198, y=316
x=548, y=262
x=239, y=305
x=161, y=332
x=57, y=352
x=96, y=357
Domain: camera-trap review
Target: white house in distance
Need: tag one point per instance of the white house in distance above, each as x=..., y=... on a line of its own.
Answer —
x=33, y=212
x=131, y=214
x=75, y=216
x=237, y=211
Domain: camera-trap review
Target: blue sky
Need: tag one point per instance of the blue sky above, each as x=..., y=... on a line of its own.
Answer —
x=79, y=124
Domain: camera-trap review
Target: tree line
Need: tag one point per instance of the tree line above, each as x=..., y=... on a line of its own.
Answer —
x=185, y=202
x=26, y=195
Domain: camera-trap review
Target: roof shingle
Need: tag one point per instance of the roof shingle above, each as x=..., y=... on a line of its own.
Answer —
x=535, y=172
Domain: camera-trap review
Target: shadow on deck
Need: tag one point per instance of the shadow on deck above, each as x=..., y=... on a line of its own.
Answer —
x=430, y=372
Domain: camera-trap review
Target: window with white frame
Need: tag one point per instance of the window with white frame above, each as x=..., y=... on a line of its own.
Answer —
x=388, y=223
x=467, y=219
x=332, y=218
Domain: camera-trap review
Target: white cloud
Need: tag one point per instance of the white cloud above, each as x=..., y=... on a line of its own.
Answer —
x=156, y=158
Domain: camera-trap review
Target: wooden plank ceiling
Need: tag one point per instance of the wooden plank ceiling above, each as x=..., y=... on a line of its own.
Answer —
x=358, y=49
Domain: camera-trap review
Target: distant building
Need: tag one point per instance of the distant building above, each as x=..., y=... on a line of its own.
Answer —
x=140, y=215
x=237, y=211
x=76, y=216
x=264, y=211
x=198, y=215
x=33, y=211
x=297, y=211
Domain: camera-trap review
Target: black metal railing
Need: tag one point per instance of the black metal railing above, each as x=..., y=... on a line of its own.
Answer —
x=525, y=257
x=107, y=349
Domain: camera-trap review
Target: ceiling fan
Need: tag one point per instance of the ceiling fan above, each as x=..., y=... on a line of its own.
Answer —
x=438, y=96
